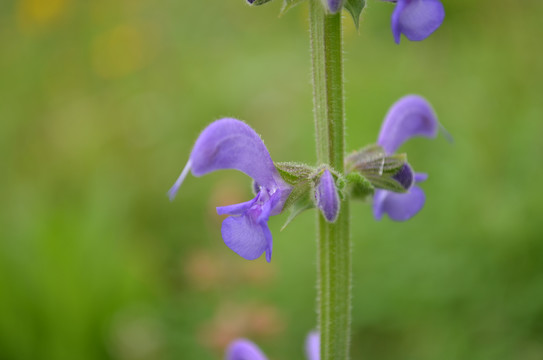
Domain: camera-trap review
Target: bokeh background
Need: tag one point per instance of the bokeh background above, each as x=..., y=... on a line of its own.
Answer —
x=100, y=102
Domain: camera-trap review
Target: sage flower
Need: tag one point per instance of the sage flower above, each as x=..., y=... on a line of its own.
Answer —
x=232, y=144
x=410, y=116
x=243, y=349
x=416, y=19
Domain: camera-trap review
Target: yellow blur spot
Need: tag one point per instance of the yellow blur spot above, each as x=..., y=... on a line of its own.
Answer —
x=118, y=52
x=40, y=13
x=349, y=28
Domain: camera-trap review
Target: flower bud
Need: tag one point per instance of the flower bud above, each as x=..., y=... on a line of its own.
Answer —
x=333, y=6
x=326, y=196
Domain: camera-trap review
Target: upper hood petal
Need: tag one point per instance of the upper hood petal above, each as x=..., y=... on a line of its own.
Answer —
x=410, y=116
x=243, y=349
x=313, y=346
x=416, y=19
x=232, y=144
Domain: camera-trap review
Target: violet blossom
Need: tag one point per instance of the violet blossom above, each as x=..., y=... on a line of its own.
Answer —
x=410, y=116
x=232, y=144
x=243, y=349
x=416, y=19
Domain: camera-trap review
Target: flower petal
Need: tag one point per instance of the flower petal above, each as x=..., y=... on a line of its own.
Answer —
x=269, y=241
x=236, y=209
x=313, y=346
x=399, y=207
x=327, y=197
x=410, y=116
x=232, y=144
x=416, y=19
x=243, y=349
x=420, y=177
x=245, y=236
x=173, y=190
x=405, y=177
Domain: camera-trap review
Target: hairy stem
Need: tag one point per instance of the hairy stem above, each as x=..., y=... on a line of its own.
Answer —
x=334, y=250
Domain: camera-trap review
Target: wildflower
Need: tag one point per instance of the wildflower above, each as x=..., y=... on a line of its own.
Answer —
x=232, y=144
x=243, y=349
x=410, y=116
x=416, y=19
x=313, y=346
x=326, y=196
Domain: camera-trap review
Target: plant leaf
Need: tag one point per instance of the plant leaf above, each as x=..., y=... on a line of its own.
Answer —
x=355, y=7
x=288, y=4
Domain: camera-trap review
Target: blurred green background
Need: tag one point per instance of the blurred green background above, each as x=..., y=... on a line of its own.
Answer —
x=100, y=102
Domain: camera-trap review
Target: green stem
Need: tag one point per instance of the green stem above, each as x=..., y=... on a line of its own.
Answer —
x=334, y=250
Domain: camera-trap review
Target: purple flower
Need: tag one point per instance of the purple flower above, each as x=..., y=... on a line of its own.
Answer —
x=327, y=197
x=313, y=346
x=232, y=144
x=410, y=116
x=416, y=19
x=243, y=349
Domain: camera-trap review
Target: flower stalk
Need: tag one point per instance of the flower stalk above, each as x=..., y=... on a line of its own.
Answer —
x=334, y=247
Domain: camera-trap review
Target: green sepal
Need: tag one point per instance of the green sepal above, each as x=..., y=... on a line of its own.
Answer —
x=341, y=184
x=299, y=176
x=293, y=173
x=299, y=191
x=359, y=187
x=373, y=160
x=355, y=7
x=288, y=4
x=297, y=208
x=259, y=2
x=368, y=153
x=303, y=179
x=388, y=165
x=377, y=167
x=386, y=183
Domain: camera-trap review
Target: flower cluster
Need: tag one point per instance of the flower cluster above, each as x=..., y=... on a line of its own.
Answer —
x=376, y=173
x=232, y=144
